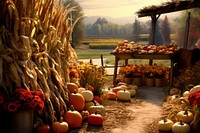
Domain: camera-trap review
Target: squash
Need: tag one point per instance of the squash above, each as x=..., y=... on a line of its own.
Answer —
x=111, y=96
x=88, y=105
x=133, y=92
x=97, y=109
x=165, y=125
x=180, y=127
x=73, y=118
x=71, y=87
x=95, y=119
x=123, y=95
x=77, y=100
x=88, y=95
x=60, y=126
x=185, y=116
x=195, y=88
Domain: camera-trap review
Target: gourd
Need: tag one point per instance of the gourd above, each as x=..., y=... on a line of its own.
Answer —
x=88, y=95
x=195, y=88
x=97, y=109
x=71, y=87
x=60, y=126
x=77, y=100
x=111, y=96
x=185, y=116
x=95, y=119
x=180, y=127
x=88, y=105
x=133, y=92
x=73, y=118
x=123, y=95
x=165, y=124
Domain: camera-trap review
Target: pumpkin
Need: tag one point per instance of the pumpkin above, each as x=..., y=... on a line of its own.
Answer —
x=116, y=89
x=195, y=88
x=95, y=119
x=180, y=127
x=134, y=87
x=185, y=116
x=41, y=127
x=73, y=118
x=80, y=89
x=123, y=87
x=165, y=124
x=111, y=96
x=60, y=127
x=88, y=104
x=98, y=99
x=186, y=93
x=104, y=93
x=88, y=95
x=123, y=95
x=174, y=91
x=97, y=109
x=121, y=83
x=71, y=87
x=133, y=92
x=77, y=100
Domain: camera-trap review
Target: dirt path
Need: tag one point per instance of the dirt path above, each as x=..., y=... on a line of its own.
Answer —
x=144, y=114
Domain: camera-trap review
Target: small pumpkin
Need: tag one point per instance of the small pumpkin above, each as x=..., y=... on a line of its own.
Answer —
x=88, y=95
x=134, y=87
x=60, y=126
x=97, y=109
x=80, y=89
x=88, y=105
x=185, y=116
x=165, y=124
x=95, y=119
x=133, y=92
x=77, y=100
x=71, y=87
x=123, y=95
x=73, y=118
x=180, y=127
x=186, y=93
x=42, y=128
x=111, y=96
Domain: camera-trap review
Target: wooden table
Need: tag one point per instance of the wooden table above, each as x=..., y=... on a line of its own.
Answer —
x=151, y=57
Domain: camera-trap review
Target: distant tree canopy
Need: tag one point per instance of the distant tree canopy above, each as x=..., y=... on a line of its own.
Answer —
x=78, y=30
x=194, y=31
x=136, y=30
x=166, y=31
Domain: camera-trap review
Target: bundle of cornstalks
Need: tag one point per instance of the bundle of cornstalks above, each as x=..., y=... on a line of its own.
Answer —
x=35, y=51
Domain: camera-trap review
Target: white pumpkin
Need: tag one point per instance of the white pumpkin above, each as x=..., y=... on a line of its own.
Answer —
x=186, y=93
x=165, y=125
x=88, y=95
x=88, y=105
x=185, y=116
x=180, y=127
x=123, y=95
x=80, y=89
x=133, y=92
x=99, y=109
x=130, y=87
x=195, y=88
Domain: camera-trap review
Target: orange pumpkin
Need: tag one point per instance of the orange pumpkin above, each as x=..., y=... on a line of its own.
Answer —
x=60, y=127
x=95, y=119
x=111, y=96
x=71, y=87
x=73, y=118
x=77, y=100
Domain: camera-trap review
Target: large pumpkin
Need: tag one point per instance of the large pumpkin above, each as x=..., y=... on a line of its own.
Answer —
x=180, y=127
x=95, y=119
x=77, y=100
x=73, y=118
x=185, y=116
x=123, y=95
x=71, y=87
x=165, y=125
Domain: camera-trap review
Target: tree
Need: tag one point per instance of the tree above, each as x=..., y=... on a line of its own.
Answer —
x=166, y=31
x=77, y=34
x=136, y=30
x=158, y=37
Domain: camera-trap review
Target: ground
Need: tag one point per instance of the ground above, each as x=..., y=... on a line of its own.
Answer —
x=137, y=115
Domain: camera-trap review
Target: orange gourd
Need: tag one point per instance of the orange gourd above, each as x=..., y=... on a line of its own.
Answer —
x=73, y=118
x=71, y=87
x=77, y=100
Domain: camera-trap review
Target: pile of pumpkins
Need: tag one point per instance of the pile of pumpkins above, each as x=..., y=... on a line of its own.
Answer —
x=121, y=92
x=183, y=118
x=83, y=106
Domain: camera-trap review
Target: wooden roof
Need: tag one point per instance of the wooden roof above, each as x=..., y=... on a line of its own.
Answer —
x=168, y=7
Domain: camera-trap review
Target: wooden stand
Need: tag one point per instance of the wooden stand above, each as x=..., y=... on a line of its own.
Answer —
x=151, y=57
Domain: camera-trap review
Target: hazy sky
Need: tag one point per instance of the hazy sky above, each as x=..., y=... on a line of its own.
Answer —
x=115, y=8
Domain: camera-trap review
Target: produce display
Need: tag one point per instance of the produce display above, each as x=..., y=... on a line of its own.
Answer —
x=132, y=47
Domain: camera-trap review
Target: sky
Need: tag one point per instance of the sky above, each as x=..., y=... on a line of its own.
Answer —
x=115, y=8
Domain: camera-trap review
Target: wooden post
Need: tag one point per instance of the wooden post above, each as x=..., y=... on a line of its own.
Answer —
x=187, y=27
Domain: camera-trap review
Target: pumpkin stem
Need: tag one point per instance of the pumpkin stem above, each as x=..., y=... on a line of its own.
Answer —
x=164, y=119
x=186, y=112
x=72, y=108
x=181, y=122
x=74, y=91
